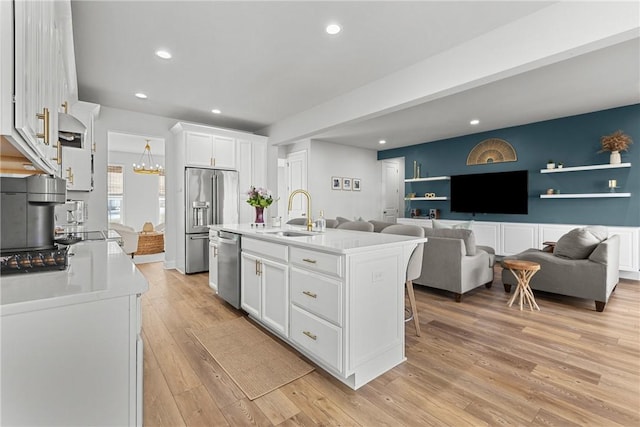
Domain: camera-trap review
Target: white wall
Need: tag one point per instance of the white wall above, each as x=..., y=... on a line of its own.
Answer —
x=325, y=160
x=140, y=191
x=116, y=120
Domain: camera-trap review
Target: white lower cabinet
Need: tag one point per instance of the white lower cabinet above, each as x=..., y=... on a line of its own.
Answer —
x=319, y=337
x=264, y=286
x=77, y=364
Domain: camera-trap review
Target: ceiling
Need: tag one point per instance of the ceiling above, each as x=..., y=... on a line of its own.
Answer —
x=264, y=62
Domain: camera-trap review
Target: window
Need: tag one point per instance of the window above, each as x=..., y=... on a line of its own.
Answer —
x=115, y=190
x=161, y=198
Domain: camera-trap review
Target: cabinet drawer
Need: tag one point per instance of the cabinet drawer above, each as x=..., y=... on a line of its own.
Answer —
x=266, y=249
x=319, y=337
x=320, y=295
x=318, y=261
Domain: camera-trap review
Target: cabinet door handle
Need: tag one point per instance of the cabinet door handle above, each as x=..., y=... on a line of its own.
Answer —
x=44, y=116
x=310, y=294
x=70, y=175
x=58, y=157
x=215, y=251
x=310, y=335
x=257, y=268
x=312, y=261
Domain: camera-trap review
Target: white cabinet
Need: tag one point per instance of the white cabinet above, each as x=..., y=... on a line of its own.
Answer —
x=76, y=364
x=37, y=74
x=517, y=237
x=629, y=248
x=210, y=150
x=264, y=283
x=213, y=265
x=35, y=65
x=77, y=162
x=252, y=155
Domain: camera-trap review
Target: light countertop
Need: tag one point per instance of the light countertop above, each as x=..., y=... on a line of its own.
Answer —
x=97, y=270
x=332, y=240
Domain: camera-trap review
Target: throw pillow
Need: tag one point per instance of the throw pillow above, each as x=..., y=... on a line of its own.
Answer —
x=579, y=243
x=342, y=219
x=438, y=225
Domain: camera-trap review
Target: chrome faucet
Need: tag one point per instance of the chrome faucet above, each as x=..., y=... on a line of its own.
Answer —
x=306, y=193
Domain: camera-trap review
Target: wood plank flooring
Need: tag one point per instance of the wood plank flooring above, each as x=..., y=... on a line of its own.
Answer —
x=477, y=363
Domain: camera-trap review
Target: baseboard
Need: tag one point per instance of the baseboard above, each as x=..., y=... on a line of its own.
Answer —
x=632, y=275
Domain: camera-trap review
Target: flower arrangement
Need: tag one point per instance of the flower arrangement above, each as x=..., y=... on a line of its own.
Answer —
x=617, y=141
x=259, y=197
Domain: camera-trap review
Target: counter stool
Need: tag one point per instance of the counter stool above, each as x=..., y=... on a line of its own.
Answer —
x=523, y=271
x=414, y=267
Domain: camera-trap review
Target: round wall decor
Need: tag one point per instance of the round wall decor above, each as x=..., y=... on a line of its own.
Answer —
x=492, y=150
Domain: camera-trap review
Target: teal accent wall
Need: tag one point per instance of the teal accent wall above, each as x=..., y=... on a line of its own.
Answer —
x=574, y=141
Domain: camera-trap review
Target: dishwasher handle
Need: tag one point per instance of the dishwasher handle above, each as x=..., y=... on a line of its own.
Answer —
x=198, y=237
x=227, y=241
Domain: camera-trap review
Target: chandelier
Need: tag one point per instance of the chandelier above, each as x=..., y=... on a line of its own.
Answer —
x=146, y=164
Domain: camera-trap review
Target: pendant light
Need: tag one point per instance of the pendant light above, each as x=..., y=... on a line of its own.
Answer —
x=146, y=164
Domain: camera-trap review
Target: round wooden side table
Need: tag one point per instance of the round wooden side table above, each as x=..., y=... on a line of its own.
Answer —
x=523, y=271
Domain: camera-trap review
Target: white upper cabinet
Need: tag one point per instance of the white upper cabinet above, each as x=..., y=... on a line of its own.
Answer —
x=34, y=35
x=210, y=150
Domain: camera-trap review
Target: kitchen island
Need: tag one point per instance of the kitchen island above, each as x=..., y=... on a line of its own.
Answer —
x=71, y=343
x=336, y=296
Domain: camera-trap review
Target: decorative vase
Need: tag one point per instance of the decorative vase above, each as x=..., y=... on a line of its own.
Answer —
x=614, y=158
x=259, y=215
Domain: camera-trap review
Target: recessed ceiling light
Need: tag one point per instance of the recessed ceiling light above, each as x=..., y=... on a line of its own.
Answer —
x=382, y=141
x=474, y=122
x=216, y=111
x=141, y=95
x=163, y=54
x=333, y=29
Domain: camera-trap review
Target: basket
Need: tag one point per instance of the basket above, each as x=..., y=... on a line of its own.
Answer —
x=150, y=243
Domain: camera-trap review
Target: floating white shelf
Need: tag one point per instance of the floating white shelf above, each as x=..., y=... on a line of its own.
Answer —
x=586, y=168
x=427, y=198
x=431, y=178
x=584, y=195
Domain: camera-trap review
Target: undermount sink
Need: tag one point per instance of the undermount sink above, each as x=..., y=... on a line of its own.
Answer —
x=288, y=233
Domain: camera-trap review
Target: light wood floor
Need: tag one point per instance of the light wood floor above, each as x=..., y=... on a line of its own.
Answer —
x=477, y=363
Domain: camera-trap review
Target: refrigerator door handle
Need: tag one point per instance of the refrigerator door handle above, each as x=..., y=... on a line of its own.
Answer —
x=217, y=213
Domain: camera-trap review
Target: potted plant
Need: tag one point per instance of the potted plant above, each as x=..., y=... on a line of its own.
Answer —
x=550, y=164
x=560, y=165
x=614, y=143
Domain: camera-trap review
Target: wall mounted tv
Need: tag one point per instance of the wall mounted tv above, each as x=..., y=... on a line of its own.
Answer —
x=497, y=193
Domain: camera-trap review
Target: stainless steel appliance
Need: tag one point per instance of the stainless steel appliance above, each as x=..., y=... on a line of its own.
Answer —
x=229, y=267
x=27, y=224
x=211, y=198
x=28, y=211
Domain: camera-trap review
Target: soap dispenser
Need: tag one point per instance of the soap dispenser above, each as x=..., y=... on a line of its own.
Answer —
x=321, y=223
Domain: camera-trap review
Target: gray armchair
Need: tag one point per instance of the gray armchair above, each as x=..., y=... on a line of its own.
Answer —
x=593, y=277
x=453, y=262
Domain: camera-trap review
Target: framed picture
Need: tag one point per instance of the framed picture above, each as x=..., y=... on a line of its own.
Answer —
x=336, y=183
x=356, y=184
x=346, y=184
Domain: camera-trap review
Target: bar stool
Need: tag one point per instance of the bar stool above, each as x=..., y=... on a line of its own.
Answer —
x=414, y=268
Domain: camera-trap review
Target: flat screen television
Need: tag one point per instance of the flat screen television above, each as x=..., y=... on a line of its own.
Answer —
x=497, y=193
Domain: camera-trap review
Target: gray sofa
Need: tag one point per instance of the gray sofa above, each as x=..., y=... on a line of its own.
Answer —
x=452, y=261
x=576, y=268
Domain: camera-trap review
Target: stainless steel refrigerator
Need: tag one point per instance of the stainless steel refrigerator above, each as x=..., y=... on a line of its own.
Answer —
x=211, y=198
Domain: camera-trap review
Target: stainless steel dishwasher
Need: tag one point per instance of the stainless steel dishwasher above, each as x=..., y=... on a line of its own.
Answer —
x=229, y=267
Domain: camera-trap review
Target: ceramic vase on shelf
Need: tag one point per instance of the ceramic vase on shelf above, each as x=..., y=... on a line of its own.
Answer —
x=259, y=215
x=614, y=158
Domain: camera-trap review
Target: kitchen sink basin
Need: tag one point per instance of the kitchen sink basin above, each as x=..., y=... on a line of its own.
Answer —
x=288, y=233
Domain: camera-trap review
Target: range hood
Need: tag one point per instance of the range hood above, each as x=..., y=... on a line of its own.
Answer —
x=71, y=131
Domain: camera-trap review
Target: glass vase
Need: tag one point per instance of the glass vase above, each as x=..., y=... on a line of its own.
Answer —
x=259, y=215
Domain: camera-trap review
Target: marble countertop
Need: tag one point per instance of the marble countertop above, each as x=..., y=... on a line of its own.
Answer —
x=97, y=270
x=332, y=240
